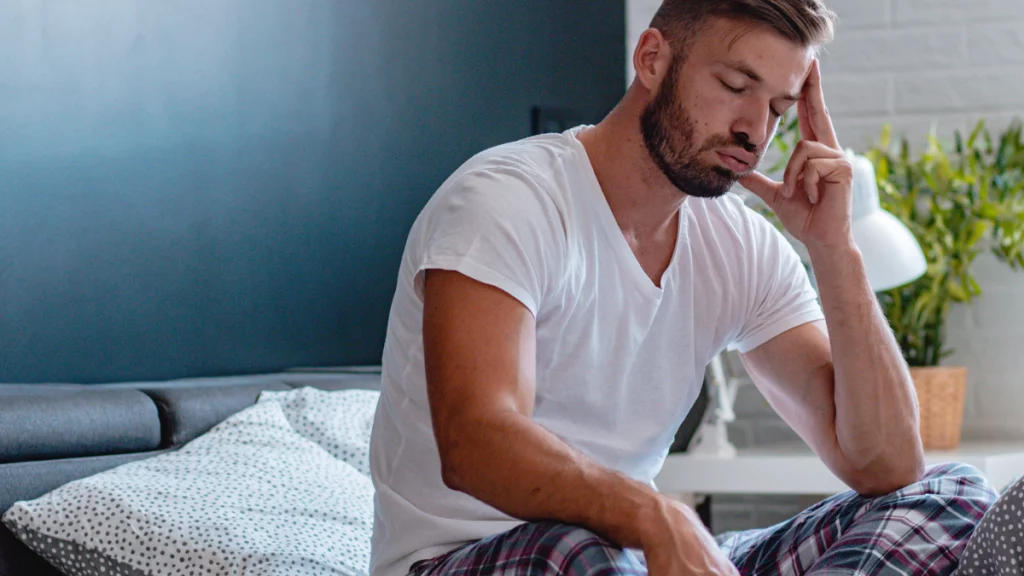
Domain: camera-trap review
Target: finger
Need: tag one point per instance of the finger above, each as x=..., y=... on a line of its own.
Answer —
x=812, y=176
x=764, y=187
x=822, y=171
x=817, y=113
x=805, y=150
x=806, y=131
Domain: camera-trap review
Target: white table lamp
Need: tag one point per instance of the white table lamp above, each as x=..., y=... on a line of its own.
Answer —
x=892, y=258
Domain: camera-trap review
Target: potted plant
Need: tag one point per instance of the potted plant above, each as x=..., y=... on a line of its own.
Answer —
x=958, y=199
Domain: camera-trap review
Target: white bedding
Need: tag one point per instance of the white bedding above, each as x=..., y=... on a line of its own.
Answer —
x=252, y=496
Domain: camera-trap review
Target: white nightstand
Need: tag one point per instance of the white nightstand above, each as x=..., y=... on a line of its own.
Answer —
x=794, y=469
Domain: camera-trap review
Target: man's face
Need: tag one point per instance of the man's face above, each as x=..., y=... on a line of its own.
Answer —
x=716, y=111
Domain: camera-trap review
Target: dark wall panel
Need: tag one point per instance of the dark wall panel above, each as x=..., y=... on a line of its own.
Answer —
x=203, y=187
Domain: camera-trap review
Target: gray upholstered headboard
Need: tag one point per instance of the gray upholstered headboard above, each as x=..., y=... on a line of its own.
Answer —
x=54, y=434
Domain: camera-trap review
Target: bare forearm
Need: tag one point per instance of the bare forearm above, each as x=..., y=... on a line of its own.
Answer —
x=876, y=416
x=518, y=467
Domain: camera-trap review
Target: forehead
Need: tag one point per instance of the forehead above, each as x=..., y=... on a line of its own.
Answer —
x=781, y=63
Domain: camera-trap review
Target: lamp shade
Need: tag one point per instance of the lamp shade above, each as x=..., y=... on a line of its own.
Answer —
x=892, y=256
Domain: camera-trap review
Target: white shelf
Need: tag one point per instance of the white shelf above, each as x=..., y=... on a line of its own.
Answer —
x=794, y=469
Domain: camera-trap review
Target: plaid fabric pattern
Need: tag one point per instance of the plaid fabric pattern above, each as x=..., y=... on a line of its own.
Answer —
x=536, y=549
x=919, y=530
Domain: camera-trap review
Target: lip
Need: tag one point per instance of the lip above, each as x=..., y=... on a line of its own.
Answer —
x=748, y=158
x=733, y=163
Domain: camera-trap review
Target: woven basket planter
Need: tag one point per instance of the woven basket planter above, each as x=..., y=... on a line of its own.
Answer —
x=940, y=393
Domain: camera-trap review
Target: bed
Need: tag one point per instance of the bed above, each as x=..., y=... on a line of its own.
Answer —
x=55, y=434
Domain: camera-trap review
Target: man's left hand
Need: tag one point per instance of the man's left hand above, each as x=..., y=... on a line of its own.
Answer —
x=814, y=200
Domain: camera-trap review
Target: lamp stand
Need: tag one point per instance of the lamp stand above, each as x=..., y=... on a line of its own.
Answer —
x=712, y=438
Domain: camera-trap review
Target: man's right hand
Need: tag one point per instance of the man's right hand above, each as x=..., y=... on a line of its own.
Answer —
x=676, y=543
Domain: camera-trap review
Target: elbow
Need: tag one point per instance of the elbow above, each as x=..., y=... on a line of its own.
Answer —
x=451, y=472
x=885, y=466
x=886, y=478
x=466, y=445
x=875, y=487
x=455, y=455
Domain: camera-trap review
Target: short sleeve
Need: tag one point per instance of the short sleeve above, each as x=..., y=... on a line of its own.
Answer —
x=498, y=226
x=780, y=296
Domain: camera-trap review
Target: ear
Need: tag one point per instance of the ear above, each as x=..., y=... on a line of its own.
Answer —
x=652, y=59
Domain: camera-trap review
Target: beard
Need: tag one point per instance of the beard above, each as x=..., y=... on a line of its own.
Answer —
x=668, y=132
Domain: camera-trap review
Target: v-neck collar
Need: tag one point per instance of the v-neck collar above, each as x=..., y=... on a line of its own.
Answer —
x=603, y=212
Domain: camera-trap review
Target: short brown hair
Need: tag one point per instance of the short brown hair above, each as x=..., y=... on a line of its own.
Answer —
x=805, y=22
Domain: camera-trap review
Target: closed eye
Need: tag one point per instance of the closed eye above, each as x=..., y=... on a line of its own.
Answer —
x=731, y=88
x=736, y=90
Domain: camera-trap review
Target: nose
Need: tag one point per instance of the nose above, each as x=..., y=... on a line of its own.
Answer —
x=754, y=125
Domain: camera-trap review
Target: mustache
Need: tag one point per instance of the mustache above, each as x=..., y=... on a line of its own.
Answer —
x=738, y=140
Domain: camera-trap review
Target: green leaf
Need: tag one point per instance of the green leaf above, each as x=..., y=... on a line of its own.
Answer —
x=973, y=138
x=974, y=286
x=976, y=232
x=885, y=140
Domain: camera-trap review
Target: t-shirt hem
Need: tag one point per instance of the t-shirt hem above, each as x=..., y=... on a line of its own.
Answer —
x=767, y=333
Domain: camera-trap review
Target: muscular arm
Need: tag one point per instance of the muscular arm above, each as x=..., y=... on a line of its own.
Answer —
x=479, y=348
x=850, y=397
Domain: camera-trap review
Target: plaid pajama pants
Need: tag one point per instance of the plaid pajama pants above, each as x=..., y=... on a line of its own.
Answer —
x=919, y=530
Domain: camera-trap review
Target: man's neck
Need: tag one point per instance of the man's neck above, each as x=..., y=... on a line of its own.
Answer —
x=642, y=199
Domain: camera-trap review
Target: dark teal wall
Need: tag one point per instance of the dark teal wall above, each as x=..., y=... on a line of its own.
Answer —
x=203, y=187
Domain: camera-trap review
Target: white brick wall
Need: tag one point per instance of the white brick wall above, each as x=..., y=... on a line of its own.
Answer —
x=916, y=64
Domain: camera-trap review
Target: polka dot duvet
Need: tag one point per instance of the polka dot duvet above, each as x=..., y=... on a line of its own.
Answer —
x=267, y=491
x=997, y=546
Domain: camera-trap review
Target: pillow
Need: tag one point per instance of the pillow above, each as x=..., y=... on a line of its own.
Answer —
x=339, y=421
x=251, y=496
x=995, y=545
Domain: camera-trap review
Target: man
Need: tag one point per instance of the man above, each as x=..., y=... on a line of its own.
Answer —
x=560, y=297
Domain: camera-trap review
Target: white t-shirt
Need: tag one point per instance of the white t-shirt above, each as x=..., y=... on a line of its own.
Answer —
x=619, y=361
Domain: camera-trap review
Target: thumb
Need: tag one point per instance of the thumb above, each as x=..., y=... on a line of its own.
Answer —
x=765, y=188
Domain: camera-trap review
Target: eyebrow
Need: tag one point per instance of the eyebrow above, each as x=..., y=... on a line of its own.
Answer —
x=746, y=70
